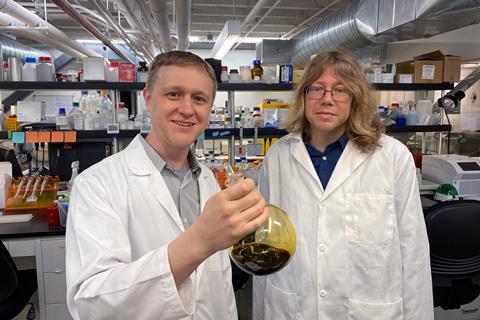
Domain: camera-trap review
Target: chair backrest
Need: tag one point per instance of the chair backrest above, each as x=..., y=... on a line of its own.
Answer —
x=453, y=229
x=8, y=274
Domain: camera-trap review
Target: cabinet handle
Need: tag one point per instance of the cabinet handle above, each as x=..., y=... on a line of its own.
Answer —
x=57, y=271
x=467, y=311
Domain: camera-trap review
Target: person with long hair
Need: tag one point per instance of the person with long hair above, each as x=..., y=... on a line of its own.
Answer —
x=351, y=191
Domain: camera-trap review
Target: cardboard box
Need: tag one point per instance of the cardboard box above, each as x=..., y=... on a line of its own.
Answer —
x=404, y=78
x=432, y=67
x=451, y=68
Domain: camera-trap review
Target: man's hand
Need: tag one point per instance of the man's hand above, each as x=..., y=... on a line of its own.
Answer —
x=227, y=217
x=230, y=215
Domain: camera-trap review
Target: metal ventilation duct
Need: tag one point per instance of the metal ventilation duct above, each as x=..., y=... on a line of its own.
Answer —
x=365, y=23
x=11, y=48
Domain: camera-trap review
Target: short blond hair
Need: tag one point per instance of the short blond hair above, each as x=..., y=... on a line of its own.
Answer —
x=179, y=58
x=363, y=126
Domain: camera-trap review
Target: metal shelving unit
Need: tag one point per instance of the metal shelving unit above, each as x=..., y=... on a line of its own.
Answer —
x=229, y=133
x=129, y=86
x=135, y=86
x=278, y=133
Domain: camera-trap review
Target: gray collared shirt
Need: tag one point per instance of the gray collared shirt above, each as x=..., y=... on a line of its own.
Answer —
x=182, y=184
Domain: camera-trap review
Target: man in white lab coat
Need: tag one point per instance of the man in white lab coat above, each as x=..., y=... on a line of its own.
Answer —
x=362, y=250
x=147, y=227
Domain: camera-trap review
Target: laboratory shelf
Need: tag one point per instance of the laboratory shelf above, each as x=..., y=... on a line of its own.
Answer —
x=135, y=86
x=52, y=85
x=254, y=86
x=226, y=133
x=278, y=133
x=92, y=135
x=412, y=86
x=426, y=128
x=129, y=86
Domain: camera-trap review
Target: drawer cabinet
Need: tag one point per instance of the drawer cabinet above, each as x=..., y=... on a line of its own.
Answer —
x=21, y=248
x=53, y=255
x=55, y=287
x=51, y=275
x=57, y=312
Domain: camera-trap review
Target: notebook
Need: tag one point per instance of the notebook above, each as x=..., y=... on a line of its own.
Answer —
x=16, y=218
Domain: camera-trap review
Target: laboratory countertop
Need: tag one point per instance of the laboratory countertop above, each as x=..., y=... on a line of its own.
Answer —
x=36, y=227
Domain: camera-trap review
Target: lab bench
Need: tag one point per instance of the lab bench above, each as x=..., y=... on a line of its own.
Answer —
x=46, y=244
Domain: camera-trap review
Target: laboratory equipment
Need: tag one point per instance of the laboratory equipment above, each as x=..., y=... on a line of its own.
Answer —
x=270, y=248
x=24, y=194
x=462, y=172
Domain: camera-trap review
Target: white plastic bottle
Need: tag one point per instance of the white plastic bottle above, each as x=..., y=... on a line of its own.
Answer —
x=29, y=69
x=76, y=117
x=106, y=109
x=245, y=119
x=83, y=101
x=146, y=122
x=61, y=120
x=122, y=116
x=45, y=69
x=257, y=118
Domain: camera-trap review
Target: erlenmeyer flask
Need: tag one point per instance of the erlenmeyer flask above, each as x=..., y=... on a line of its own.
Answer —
x=270, y=247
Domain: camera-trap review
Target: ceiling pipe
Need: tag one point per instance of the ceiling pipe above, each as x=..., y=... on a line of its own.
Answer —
x=39, y=36
x=257, y=23
x=298, y=29
x=17, y=11
x=183, y=9
x=152, y=27
x=12, y=48
x=65, y=6
x=159, y=10
x=368, y=23
x=114, y=25
x=253, y=13
x=125, y=8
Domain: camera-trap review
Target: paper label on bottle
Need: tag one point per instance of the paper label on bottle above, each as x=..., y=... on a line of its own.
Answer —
x=428, y=72
x=145, y=127
x=113, y=128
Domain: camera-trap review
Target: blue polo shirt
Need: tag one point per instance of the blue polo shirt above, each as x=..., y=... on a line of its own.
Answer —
x=325, y=162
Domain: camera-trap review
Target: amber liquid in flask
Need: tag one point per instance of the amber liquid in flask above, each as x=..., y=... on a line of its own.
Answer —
x=270, y=248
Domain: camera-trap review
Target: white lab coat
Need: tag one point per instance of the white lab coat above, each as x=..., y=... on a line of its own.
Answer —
x=120, y=222
x=362, y=249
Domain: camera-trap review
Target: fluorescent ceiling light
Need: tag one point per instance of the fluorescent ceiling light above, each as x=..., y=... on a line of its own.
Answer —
x=114, y=41
x=88, y=41
x=227, y=38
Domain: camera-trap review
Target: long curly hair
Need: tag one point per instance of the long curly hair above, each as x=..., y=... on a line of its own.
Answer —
x=363, y=127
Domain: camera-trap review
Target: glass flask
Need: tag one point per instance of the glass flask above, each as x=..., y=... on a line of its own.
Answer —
x=271, y=247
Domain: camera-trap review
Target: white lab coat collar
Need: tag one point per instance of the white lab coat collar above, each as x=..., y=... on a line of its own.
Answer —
x=349, y=161
x=140, y=164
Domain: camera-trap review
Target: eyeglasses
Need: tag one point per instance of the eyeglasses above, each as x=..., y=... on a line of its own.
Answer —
x=339, y=94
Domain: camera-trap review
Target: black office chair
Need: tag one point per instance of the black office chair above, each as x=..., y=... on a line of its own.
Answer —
x=453, y=229
x=16, y=287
